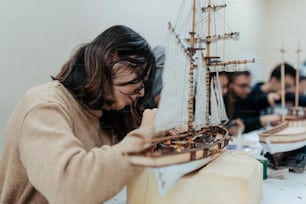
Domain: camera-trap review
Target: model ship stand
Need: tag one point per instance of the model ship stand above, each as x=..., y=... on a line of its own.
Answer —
x=233, y=178
x=289, y=136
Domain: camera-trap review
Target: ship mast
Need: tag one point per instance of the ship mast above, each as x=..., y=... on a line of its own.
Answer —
x=214, y=61
x=207, y=60
x=192, y=66
x=208, y=31
x=283, y=84
x=297, y=77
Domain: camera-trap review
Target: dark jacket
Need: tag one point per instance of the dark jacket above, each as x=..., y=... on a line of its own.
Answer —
x=248, y=110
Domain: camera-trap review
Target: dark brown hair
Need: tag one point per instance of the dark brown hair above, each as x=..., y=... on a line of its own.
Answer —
x=89, y=73
x=289, y=71
x=232, y=76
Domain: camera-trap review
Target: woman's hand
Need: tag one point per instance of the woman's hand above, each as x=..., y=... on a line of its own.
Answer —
x=235, y=127
x=148, y=118
x=268, y=119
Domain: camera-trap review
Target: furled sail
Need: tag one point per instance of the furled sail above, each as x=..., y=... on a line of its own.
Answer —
x=230, y=66
x=201, y=94
x=214, y=7
x=222, y=109
x=214, y=118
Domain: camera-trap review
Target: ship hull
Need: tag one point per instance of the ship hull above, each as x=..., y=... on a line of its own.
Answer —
x=288, y=136
x=150, y=157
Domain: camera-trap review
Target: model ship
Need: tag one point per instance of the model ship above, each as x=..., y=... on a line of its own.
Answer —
x=290, y=134
x=191, y=96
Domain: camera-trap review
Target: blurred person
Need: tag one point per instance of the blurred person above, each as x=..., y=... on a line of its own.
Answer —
x=240, y=105
x=302, y=86
x=274, y=86
x=223, y=76
x=302, y=82
x=274, y=83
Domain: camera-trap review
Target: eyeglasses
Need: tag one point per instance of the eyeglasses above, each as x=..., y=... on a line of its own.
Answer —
x=243, y=86
x=125, y=88
x=128, y=63
x=135, y=91
x=289, y=86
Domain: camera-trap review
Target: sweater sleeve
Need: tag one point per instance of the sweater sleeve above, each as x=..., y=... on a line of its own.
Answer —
x=62, y=170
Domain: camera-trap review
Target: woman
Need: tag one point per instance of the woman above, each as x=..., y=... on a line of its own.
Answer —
x=57, y=149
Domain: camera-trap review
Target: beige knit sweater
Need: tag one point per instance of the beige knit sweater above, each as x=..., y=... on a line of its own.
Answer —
x=55, y=152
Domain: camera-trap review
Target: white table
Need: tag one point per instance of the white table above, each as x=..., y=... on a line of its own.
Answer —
x=289, y=190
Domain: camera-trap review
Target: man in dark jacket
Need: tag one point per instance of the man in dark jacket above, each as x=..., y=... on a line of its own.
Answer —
x=274, y=85
x=241, y=104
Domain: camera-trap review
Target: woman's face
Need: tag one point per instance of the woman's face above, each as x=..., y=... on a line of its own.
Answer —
x=124, y=95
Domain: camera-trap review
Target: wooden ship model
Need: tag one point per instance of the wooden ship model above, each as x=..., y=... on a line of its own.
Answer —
x=191, y=96
x=290, y=134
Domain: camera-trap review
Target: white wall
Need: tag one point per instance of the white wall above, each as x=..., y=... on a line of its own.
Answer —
x=37, y=36
x=247, y=17
x=285, y=27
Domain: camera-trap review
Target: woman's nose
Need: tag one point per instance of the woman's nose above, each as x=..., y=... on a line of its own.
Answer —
x=138, y=94
x=141, y=92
